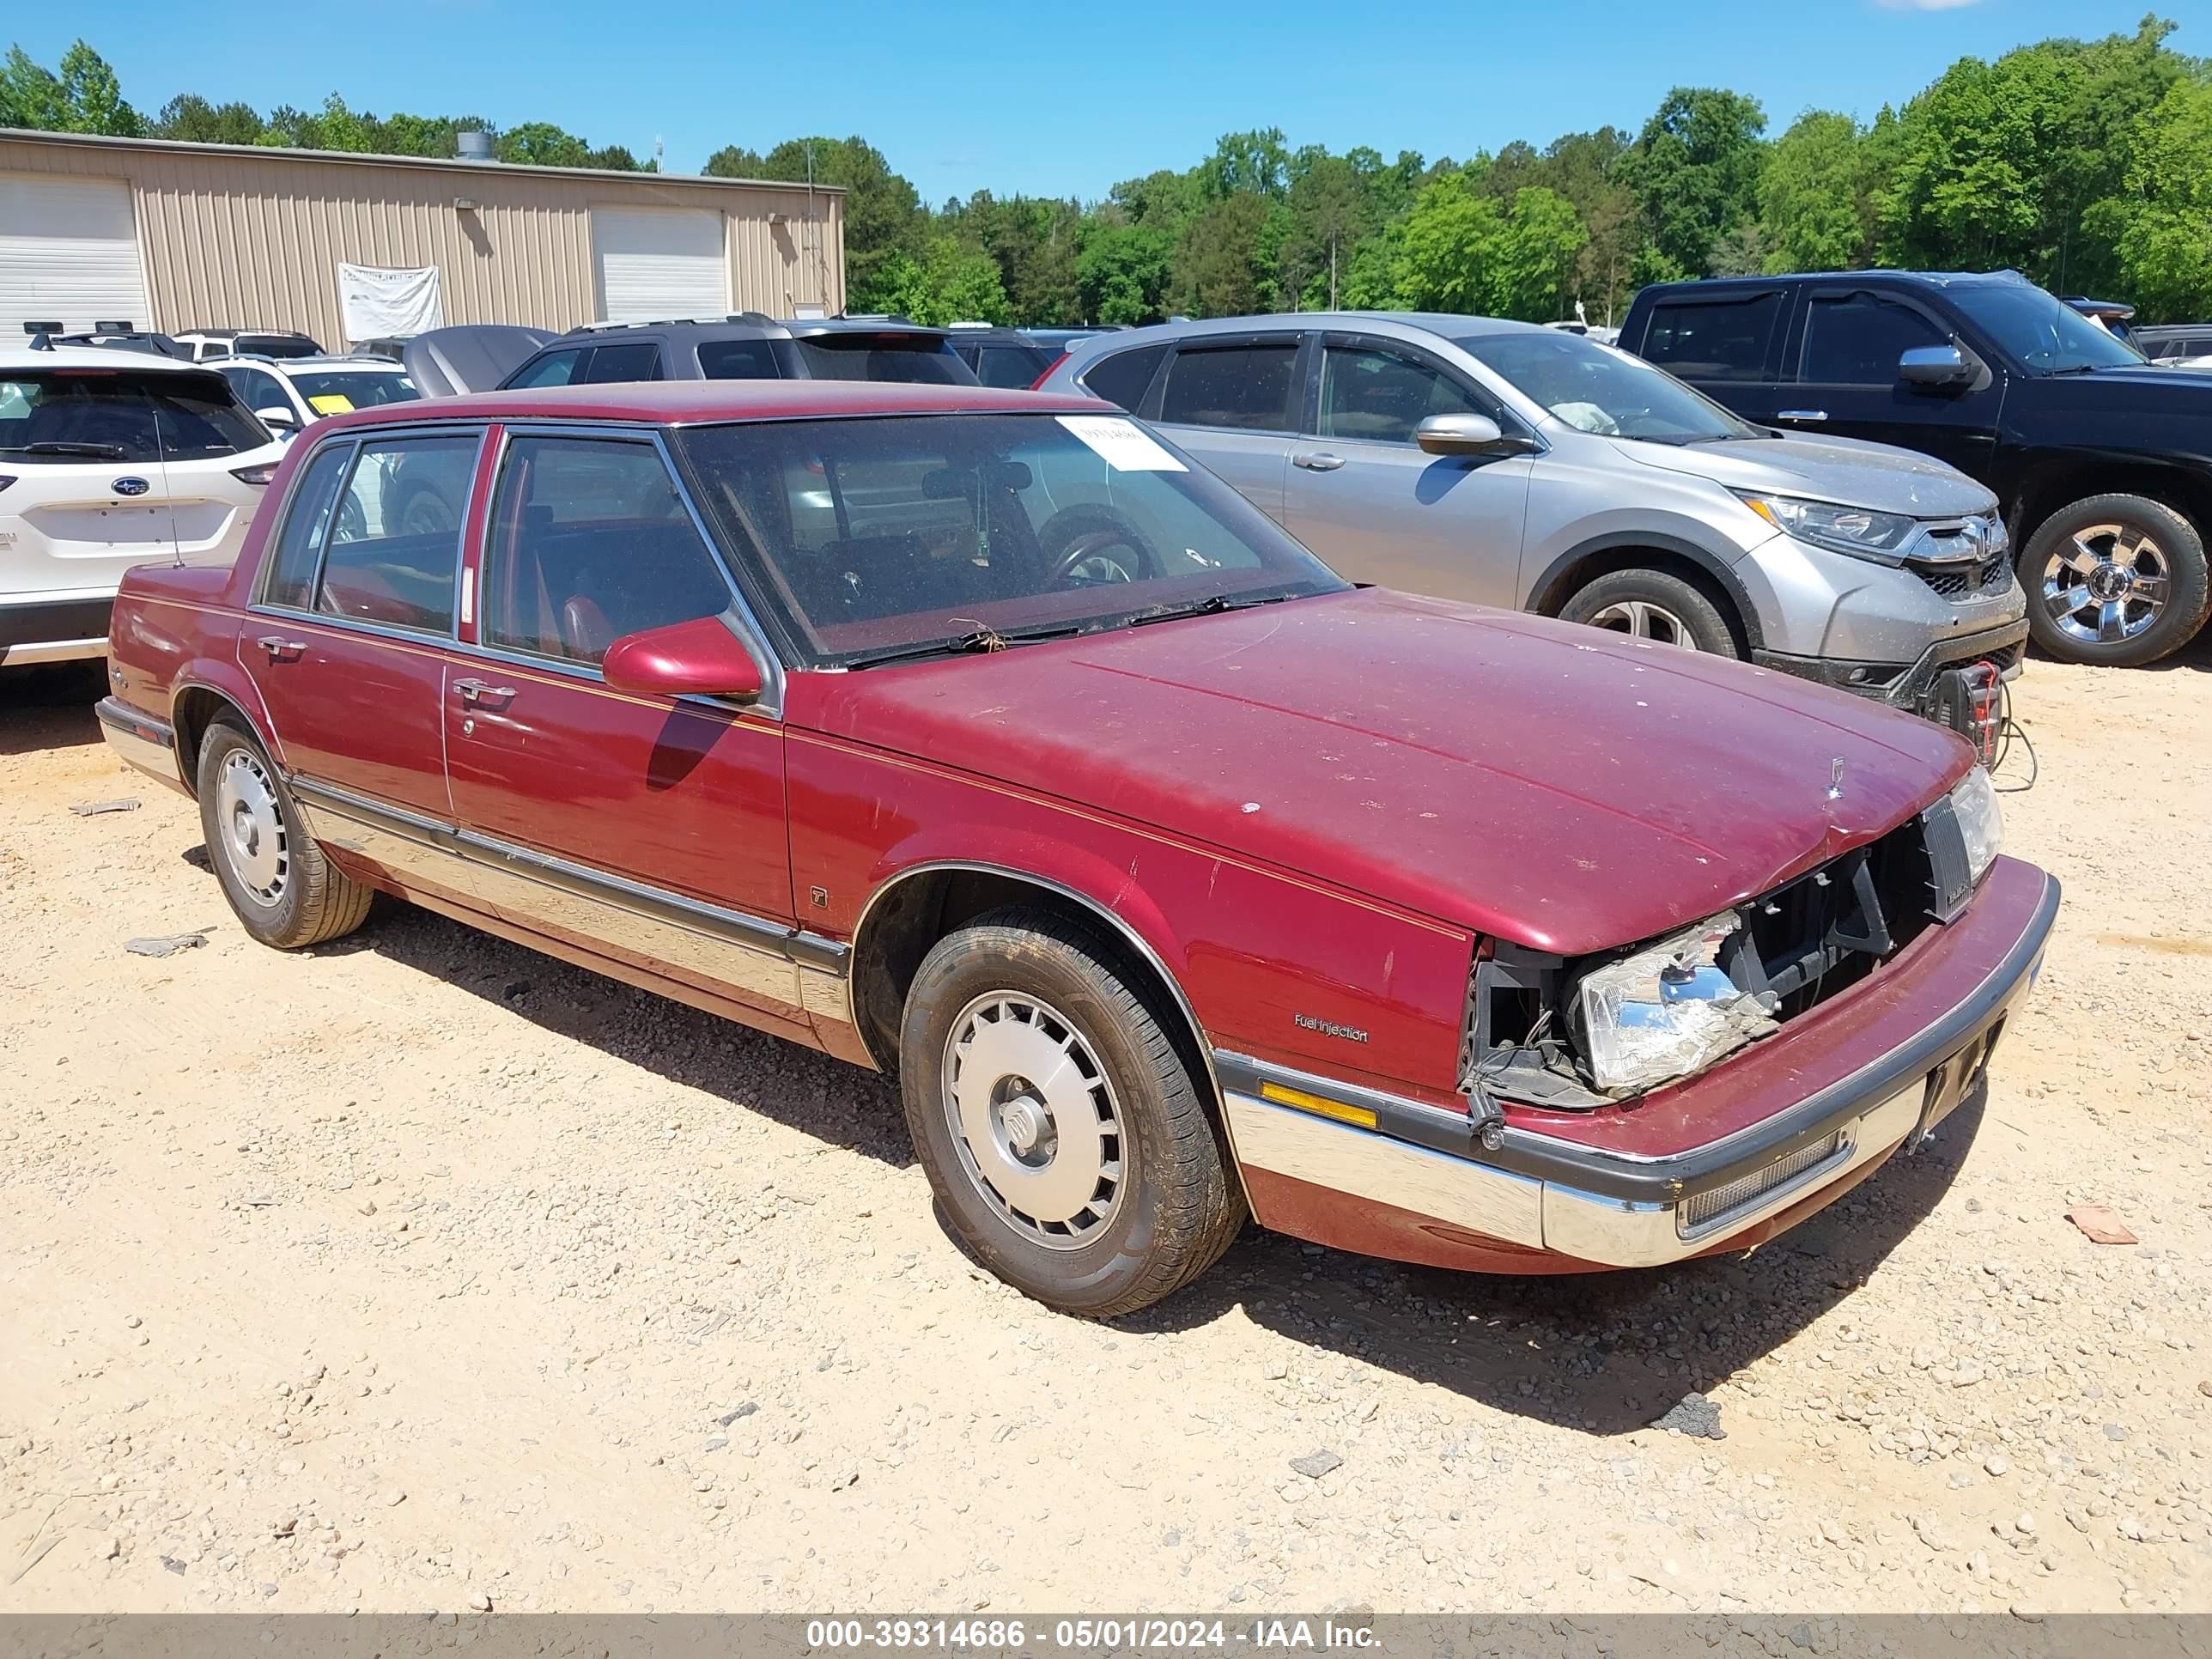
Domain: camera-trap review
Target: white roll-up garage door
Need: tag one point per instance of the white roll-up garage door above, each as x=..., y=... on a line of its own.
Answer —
x=68, y=253
x=658, y=262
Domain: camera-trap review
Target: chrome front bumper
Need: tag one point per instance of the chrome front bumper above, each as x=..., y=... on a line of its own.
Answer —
x=1615, y=1209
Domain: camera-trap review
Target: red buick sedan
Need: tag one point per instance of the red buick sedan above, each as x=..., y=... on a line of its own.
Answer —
x=980, y=739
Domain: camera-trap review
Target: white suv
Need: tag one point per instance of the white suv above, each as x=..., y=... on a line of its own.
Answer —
x=287, y=394
x=110, y=459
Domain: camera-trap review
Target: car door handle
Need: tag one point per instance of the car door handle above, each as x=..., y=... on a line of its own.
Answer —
x=1801, y=414
x=1317, y=460
x=473, y=690
x=281, y=649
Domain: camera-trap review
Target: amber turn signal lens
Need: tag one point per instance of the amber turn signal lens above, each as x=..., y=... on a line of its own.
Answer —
x=1359, y=1117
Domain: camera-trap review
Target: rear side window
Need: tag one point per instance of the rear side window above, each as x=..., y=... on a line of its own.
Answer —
x=624, y=362
x=554, y=368
x=1246, y=386
x=1725, y=340
x=590, y=542
x=395, y=544
x=300, y=543
x=1015, y=367
x=97, y=417
x=1856, y=339
x=922, y=361
x=738, y=360
x=1121, y=378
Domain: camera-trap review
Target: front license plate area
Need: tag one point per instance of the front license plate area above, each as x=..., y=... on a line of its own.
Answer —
x=1954, y=1082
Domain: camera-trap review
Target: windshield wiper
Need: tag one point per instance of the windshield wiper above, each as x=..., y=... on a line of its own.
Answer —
x=984, y=639
x=2078, y=368
x=97, y=452
x=1212, y=604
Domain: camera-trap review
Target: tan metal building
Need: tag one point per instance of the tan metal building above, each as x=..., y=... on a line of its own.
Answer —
x=175, y=236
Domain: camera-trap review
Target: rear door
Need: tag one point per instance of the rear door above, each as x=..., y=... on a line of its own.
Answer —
x=1361, y=493
x=1232, y=401
x=1728, y=345
x=1847, y=386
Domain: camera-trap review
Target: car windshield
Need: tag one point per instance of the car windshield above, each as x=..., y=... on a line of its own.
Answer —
x=95, y=415
x=333, y=391
x=2046, y=334
x=921, y=358
x=893, y=536
x=1596, y=388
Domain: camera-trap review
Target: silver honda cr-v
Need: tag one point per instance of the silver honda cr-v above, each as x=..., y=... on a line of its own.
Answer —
x=1517, y=465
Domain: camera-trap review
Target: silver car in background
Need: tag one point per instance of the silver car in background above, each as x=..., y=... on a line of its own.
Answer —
x=1512, y=465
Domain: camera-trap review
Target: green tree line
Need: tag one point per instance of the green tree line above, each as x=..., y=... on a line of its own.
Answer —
x=2085, y=164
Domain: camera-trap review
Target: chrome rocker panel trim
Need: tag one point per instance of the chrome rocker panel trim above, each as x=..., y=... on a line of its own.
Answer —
x=142, y=740
x=1615, y=1209
x=770, y=960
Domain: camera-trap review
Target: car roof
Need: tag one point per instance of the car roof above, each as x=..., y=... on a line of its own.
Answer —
x=746, y=326
x=330, y=360
x=693, y=402
x=107, y=357
x=1450, y=325
x=1929, y=278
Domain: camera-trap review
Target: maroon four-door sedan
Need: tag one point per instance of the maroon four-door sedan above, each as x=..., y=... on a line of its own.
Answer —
x=979, y=738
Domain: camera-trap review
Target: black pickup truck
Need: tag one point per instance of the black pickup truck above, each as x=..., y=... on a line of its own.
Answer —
x=2102, y=463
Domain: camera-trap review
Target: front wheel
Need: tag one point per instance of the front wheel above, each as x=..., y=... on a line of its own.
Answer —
x=1651, y=604
x=1065, y=1137
x=285, y=890
x=2117, y=580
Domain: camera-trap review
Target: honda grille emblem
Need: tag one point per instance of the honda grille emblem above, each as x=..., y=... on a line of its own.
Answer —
x=131, y=486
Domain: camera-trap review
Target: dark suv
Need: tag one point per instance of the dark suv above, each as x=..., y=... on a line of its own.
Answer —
x=2102, y=462
x=748, y=346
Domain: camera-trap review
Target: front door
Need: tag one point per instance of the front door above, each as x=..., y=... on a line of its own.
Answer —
x=1361, y=493
x=349, y=643
x=1847, y=383
x=648, y=829
x=1232, y=403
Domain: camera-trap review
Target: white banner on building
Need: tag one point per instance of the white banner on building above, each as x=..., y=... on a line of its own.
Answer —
x=379, y=303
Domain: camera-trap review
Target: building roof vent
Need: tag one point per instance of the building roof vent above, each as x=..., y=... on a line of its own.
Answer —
x=473, y=146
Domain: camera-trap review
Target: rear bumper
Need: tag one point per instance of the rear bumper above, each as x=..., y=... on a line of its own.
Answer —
x=53, y=630
x=145, y=742
x=1586, y=1203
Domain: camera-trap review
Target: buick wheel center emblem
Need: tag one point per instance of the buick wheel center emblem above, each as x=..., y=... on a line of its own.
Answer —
x=131, y=486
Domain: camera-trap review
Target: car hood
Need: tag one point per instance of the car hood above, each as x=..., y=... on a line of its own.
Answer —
x=1529, y=779
x=1877, y=475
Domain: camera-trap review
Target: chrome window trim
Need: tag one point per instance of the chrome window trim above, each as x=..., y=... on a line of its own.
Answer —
x=272, y=544
x=410, y=433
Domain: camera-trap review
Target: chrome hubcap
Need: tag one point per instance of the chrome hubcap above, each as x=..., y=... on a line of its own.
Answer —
x=1034, y=1118
x=253, y=842
x=1641, y=619
x=2106, y=584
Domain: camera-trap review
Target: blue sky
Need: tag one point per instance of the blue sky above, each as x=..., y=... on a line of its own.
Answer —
x=962, y=95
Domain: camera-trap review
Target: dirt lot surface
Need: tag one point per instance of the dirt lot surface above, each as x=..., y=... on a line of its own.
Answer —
x=421, y=1272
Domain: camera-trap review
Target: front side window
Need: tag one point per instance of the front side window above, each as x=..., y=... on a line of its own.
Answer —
x=887, y=536
x=589, y=542
x=395, y=542
x=1369, y=396
x=554, y=368
x=1856, y=339
x=1714, y=340
x=1246, y=386
x=258, y=389
x=1596, y=388
x=95, y=416
x=624, y=362
x=299, y=547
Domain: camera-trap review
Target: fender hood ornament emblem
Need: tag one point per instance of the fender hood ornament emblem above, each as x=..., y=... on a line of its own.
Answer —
x=1836, y=778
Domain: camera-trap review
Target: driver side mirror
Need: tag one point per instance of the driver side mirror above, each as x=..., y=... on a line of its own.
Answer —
x=1940, y=365
x=701, y=657
x=1466, y=435
x=281, y=421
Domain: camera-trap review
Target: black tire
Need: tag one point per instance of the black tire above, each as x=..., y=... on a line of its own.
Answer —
x=311, y=900
x=1684, y=606
x=2179, y=546
x=1176, y=1206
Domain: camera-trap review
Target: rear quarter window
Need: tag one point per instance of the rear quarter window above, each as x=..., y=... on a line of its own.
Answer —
x=1123, y=377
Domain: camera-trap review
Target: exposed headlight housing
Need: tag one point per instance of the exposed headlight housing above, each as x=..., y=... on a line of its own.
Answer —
x=1667, y=1012
x=1981, y=825
x=1858, y=530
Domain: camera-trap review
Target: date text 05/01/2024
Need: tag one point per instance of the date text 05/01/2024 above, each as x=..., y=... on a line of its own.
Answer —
x=998, y=1635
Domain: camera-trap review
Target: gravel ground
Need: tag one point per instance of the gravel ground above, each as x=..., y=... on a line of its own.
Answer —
x=418, y=1272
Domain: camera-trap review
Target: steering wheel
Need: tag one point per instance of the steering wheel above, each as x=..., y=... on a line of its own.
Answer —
x=1091, y=546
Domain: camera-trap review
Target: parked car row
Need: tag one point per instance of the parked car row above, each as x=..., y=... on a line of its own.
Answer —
x=984, y=738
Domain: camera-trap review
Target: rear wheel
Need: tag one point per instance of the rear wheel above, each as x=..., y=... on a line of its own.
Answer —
x=1065, y=1136
x=285, y=890
x=1651, y=604
x=2118, y=581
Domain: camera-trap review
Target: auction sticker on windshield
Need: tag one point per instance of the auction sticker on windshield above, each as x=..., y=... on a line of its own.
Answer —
x=1122, y=444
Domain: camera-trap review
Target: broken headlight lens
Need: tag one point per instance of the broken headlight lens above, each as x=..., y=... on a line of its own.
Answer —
x=1974, y=802
x=1667, y=1012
